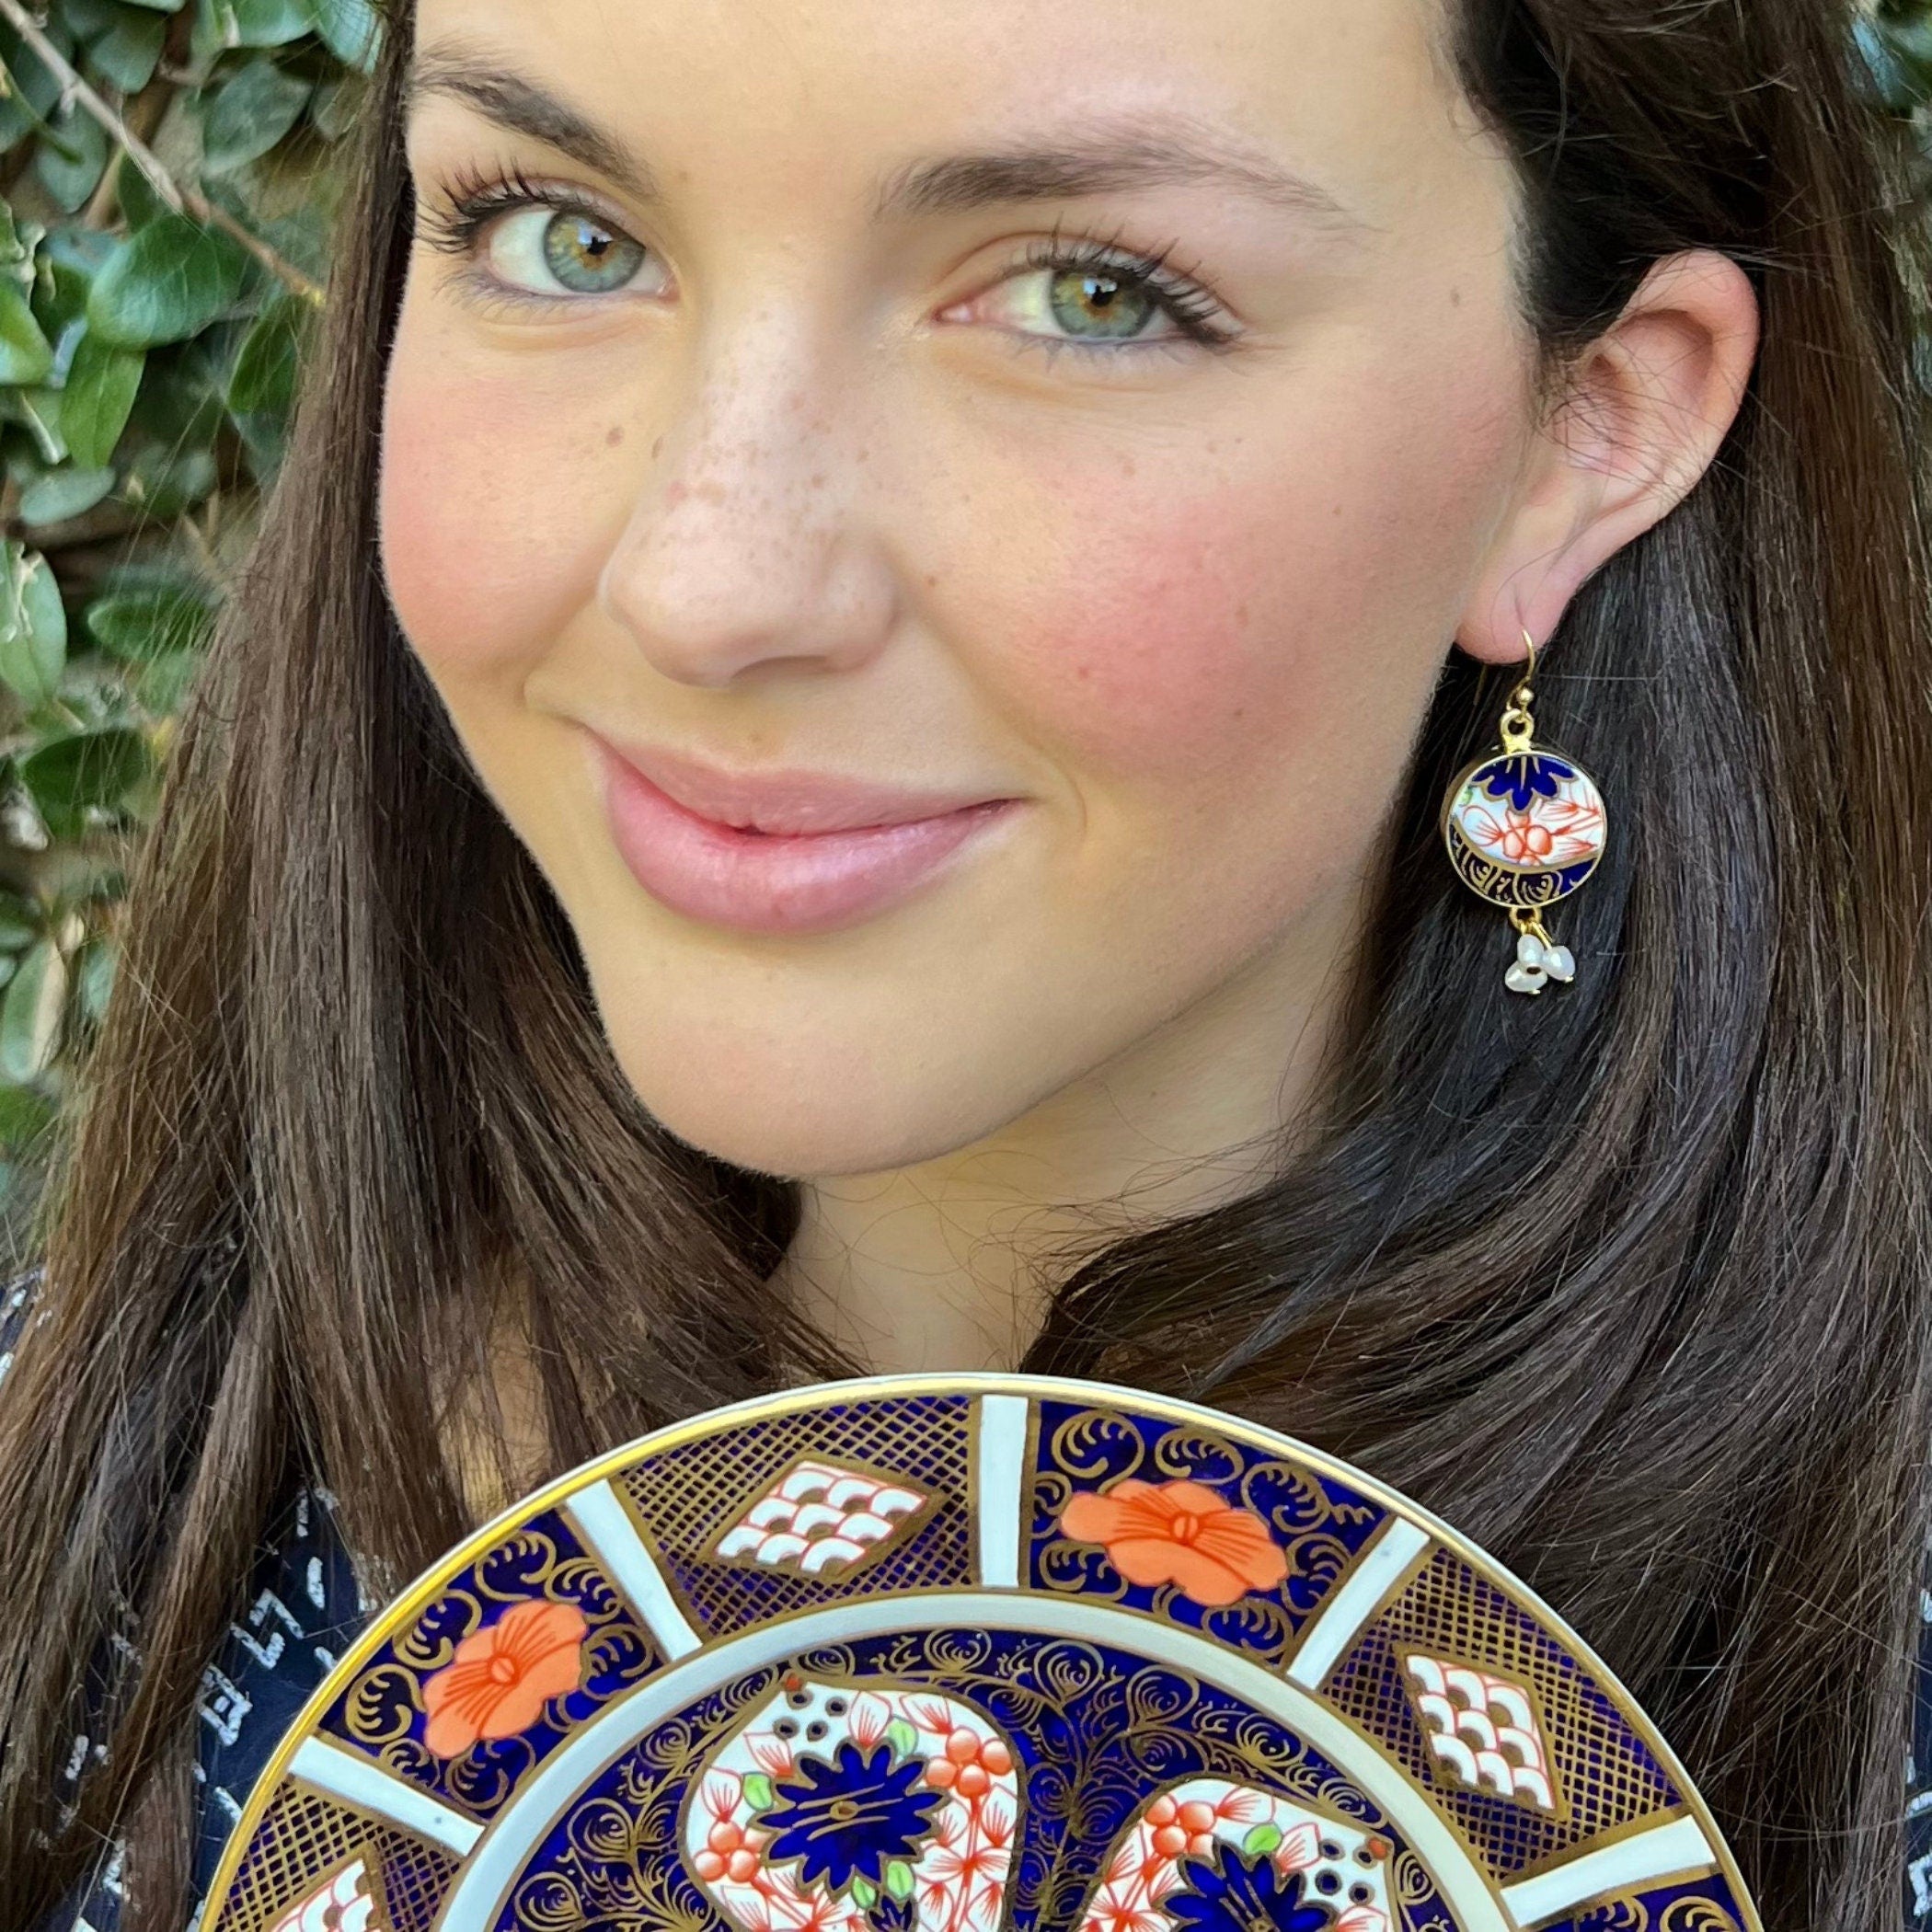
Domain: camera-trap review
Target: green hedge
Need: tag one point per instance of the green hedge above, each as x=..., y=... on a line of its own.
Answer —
x=162, y=256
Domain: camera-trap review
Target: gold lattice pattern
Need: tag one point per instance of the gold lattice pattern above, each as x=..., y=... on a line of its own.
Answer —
x=1604, y=1774
x=342, y=1901
x=305, y=1833
x=690, y=1497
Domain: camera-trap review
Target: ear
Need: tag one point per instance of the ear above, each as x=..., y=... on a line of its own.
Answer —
x=1649, y=403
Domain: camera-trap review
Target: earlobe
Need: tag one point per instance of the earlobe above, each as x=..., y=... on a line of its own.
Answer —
x=1650, y=402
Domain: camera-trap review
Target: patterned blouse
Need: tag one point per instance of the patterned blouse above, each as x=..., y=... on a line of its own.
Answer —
x=304, y=1607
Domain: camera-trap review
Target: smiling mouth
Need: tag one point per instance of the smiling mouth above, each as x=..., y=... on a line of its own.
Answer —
x=790, y=802
x=753, y=879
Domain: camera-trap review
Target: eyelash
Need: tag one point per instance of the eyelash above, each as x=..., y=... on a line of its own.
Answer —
x=476, y=200
x=1180, y=295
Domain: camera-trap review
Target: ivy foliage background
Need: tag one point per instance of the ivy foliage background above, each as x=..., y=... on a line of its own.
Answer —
x=165, y=199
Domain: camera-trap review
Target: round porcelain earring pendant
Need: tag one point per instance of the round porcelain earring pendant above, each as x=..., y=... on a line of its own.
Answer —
x=1524, y=827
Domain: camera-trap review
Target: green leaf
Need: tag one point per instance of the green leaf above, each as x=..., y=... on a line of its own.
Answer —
x=68, y=261
x=169, y=280
x=249, y=23
x=96, y=768
x=899, y=1879
x=39, y=410
x=93, y=978
x=758, y=1791
x=19, y=924
x=65, y=492
x=351, y=30
x=264, y=435
x=30, y=1013
x=36, y=90
x=102, y=382
x=140, y=200
x=249, y=114
x=70, y=339
x=69, y=178
x=181, y=403
x=88, y=17
x=25, y=1115
x=1263, y=1839
x=903, y=1738
x=26, y=354
x=140, y=624
x=300, y=236
x=162, y=682
x=164, y=483
x=266, y=366
x=17, y=243
x=33, y=624
x=865, y=1894
x=333, y=112
x=129, y=52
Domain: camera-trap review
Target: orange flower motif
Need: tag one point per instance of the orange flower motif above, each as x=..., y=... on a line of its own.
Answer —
x=1179, y=1533
x=1523, y=839
x=501, y=1678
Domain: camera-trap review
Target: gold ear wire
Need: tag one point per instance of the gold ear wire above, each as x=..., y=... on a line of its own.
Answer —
x=1521, y=695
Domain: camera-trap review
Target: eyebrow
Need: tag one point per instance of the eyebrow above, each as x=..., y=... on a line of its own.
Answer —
x=1114, y=154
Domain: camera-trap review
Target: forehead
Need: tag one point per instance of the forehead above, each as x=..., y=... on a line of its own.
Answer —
x=805, y=98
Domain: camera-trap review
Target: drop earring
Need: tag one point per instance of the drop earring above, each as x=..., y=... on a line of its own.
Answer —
x=1524, y=827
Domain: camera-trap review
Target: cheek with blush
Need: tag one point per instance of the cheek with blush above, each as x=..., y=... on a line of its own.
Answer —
x=1284, y=620
x=493, y=514
x=1183, y=639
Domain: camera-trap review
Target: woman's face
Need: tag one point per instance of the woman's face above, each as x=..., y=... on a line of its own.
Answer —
x=781, y=450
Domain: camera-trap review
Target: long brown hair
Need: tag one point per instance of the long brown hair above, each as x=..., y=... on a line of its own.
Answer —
x=1632, y=1284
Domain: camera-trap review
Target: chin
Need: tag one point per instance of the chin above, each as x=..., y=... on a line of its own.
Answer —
x=805, y=1111
x=801, y=1147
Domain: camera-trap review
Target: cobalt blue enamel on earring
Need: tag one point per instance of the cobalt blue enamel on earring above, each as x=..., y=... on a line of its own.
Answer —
x=1524, y=827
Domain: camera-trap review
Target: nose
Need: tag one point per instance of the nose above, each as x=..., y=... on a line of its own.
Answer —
x=745, y=551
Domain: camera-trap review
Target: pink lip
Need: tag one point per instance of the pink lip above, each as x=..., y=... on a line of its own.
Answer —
x=873, y=847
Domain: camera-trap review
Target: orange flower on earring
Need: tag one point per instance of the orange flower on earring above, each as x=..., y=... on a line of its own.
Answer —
x=1179, y=1533
x=501, y=1678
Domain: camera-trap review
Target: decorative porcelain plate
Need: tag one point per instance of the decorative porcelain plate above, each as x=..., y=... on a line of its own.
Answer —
x=959, y=1653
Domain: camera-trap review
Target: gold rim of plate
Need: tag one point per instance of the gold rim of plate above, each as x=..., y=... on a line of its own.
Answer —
x=391, y=1619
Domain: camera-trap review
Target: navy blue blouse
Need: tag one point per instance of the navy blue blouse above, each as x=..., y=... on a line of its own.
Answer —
x=304, y=1607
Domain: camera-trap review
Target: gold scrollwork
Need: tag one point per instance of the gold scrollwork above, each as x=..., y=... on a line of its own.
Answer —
x=619, y=1862
x=1695, y=1915
x=1624, y=1915
x=1090, y=1446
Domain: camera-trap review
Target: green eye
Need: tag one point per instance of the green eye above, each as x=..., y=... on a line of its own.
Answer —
x=1081, y=297
x=585, y=255
x=561, y=252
